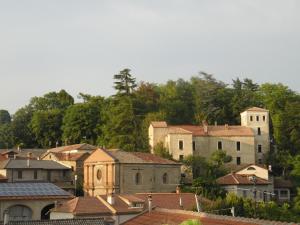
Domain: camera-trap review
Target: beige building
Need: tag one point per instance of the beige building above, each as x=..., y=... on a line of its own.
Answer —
x=246, y=143
x=116, y=171
x=251, y=181
x=21, y=170
x=29, y=201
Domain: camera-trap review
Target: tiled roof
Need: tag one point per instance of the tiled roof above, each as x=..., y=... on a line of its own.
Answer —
x=23, y=153
x=257, y=109
x=85, y=221
x=33, y=164
x=159, y=124
x=78, y=206
x=240, y=179
x=98, y=206
x=217, y=131
x=171, y=200
x=86, y=147
x=70, y=157
x=282, y=183
x=137, y=157
x=12, y=191
x=174, y=217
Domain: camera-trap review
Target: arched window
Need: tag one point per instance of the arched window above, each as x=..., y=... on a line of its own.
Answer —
x=251, y=168
x=165, y=178
x=138, y=178
x=19, y=212
x=99, y=174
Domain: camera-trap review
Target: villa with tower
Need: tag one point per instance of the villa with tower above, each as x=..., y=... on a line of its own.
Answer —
x=247, y=143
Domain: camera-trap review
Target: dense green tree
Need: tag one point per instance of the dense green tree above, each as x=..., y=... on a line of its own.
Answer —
x=124, y=82
x=81, y=121
x=46, y=126
x=52, y=100
x=6, y=136
x=4, y=117
x=160, y=150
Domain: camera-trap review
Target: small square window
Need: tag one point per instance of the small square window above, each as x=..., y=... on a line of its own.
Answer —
x=251, y=118
x=220, y=147
x=180, y=144
x=238, y=146
x=258, y=131
x=264, y=118
x=35, y=174
x=194, y=145
x=257, y=118
x=20, y=174
x=238, y=160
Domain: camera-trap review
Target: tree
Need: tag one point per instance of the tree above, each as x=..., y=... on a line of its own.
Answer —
x=4, y=117
x=124, y=82
x=160, y=150
x=46, y=126
x=6, y=136
x=81, y=122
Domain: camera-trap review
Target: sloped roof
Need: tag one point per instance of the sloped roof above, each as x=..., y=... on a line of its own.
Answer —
x=217, y=131
x=171, y=200
x=31, y=191
x=78, y=206
x=23, y=153
x=282, y=183
x=73, y=147
x=81, y=221
x=138, y=157
x=69, y=157
x=160, y=216
x=240, y=179
x=159, y=124
x=257, y=109
x=33, y=164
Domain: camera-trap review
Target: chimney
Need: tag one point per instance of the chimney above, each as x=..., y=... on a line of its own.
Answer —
x=205, y=126
x=29, y=155
x=270, y=168
x=19, y=148
x=6, y=217
x=150, y=203
x=180, y=202
x=111, y=199
x=226, y=127
x=28, y=162
x=216, y=123
x=177, y=190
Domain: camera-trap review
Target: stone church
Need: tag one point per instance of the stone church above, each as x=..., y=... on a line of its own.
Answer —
x=117, y=171
x=247, y=143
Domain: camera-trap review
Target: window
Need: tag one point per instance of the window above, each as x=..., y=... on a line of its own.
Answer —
x=258, y=131
x=238, y=146
x=64, y=173
x=180, y=144
x=194, y=145
x=220, y=145
x=20, y=174
x=259, y=148
x=257, y=118
x=138, y=178
x=99, y=174
x=283, y=193
x=180, y=157
x=35, y=174
x=244, y=193
x=264, y=118
x=165, y=178
x=49, y=175
x=251, y=118
x=238, y=160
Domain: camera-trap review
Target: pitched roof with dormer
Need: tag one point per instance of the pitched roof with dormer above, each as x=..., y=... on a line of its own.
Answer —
x=240, y=179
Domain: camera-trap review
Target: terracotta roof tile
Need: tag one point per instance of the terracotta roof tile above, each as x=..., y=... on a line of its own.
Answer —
x=257, y=109
x=73, y=147
x=70, y=157
x=159, y=124
x=236, y=179
x=175, y=217
x=218, y=131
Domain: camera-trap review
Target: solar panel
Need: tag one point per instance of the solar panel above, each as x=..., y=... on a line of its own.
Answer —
x=30, y=189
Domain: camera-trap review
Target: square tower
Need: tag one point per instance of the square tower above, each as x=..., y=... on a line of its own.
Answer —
x=258, y=120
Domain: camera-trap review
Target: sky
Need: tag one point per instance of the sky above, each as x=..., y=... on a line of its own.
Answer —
x=48, y=45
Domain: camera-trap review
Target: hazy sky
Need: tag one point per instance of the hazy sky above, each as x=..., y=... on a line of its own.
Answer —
x=48, y=45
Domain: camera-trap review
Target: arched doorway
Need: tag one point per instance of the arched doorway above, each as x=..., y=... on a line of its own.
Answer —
x=45, y=213
x=19, y=212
